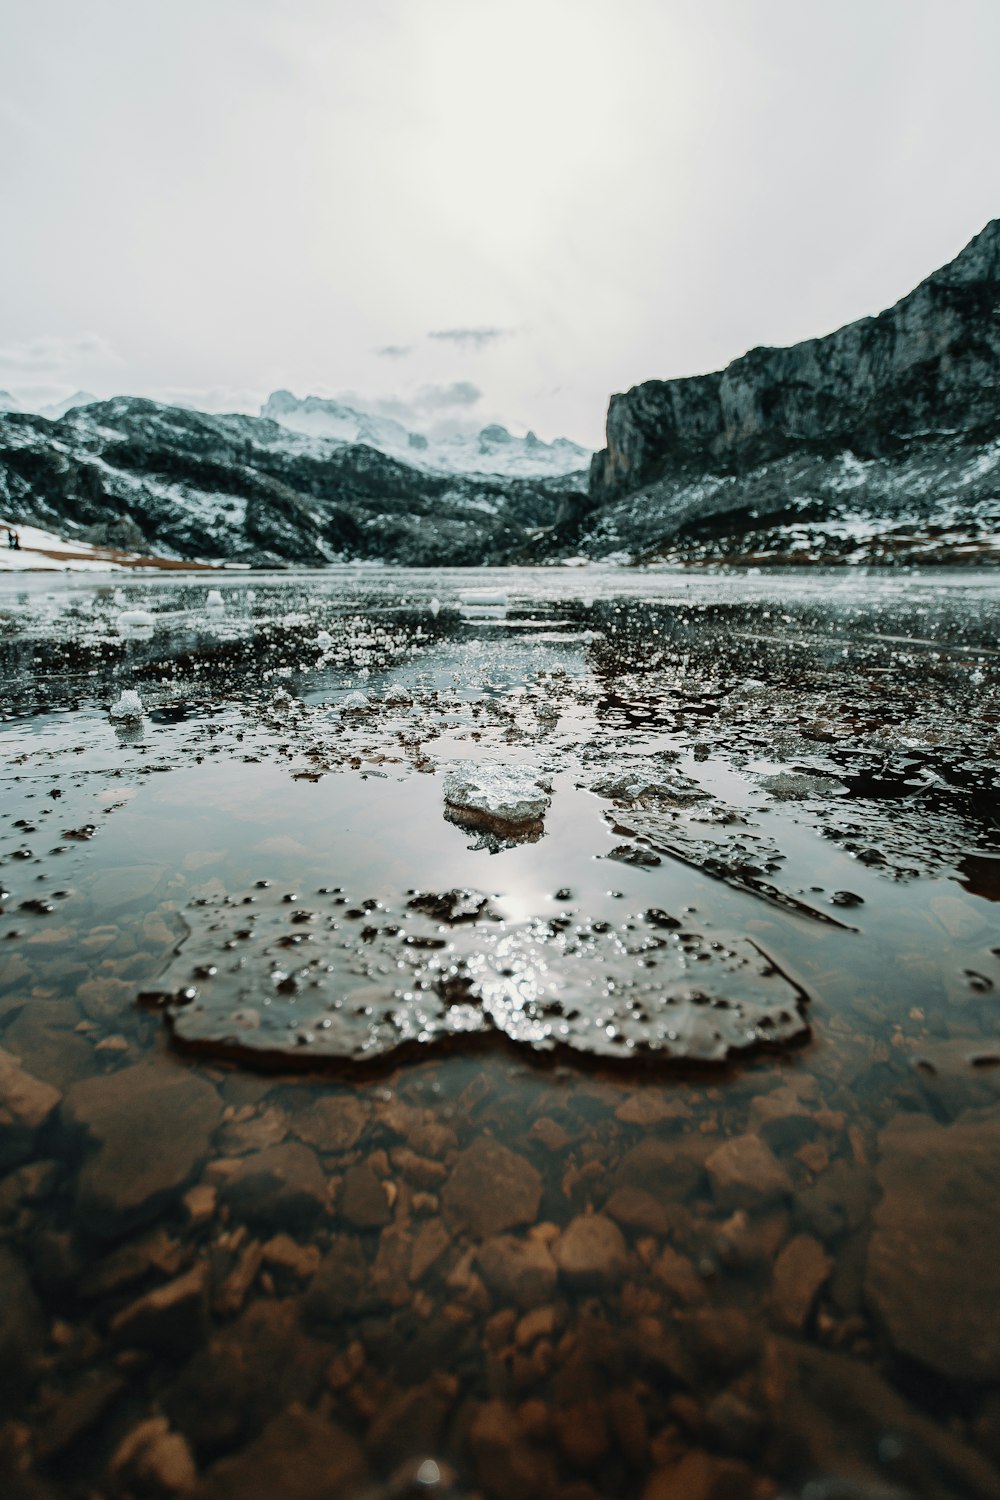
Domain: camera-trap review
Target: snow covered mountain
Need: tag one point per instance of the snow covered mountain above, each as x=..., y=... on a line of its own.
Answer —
x=491, y=450
x=56, y=409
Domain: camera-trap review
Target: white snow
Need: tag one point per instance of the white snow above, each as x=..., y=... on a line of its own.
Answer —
x=46, y=550
x=490, y=450
x=214, y=599
x=505, y=795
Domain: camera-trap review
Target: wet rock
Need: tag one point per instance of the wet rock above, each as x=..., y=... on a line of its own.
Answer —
x=722, y=1339
x=25, y=1104
x=43, y=1038
x=432, y=1240
x=453, y=906
x=700, y=1476
x=411, y=1424
x=282, y=1253
x=20, y=1324
x=634, y=1208
x=299, y=1456
x=491, y=1189
x=669, y=1170
x=518, y=1271
x=390, y=1278
x=284, y=1185
x=591, y=1251
x=506, y=1465
x=933, y=1275
x=830, y=1414
x=171, y=1318
x=333, y=1123
x=149, y=1127
x=152, y=1459
x=255, y=1366
x=799, y=1272
x=340, y=1287
x=677, y=1274
x=363, y=1199
x=76, y=1414
x=581, y=1430
x=744, y=1172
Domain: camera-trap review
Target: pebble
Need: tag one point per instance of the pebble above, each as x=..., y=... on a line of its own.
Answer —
x=282, y=1185
x=171, y=1318
x=518, y=1271
x=745, y=1172
x=152, y=1458
x=491, y=1189
x=591, y=1251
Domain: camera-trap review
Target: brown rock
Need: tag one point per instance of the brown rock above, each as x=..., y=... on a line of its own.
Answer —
x=340, y=1288
x=333, y=1123
x=150, y=1126
x=43, y=1037
x=20, y=1324
x=518, y=1271
x=232, y=1294
x=636, y=1209
x=491, y=1189
x=363, y=1199
x=699, y=1476
x=282, y=1253
x=152, y=1459
x=172, y=1318
x=744, y=1172
x=390, y=1278
x=669, y=1170
x=933, y=1274
x=581, y=1431
x=799, y=1272
x=677, y=1273
x=431, y=1241
x=411, y=1424
x=283, y=1185
x=25, y=1104
x=507, y=1467
x=591, y=1251
x=299, y=1456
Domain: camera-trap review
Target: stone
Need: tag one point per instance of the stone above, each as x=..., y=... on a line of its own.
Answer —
x=431, y=1241
x=677, y=1274
x=363, y=1200
x=410, y=1425
x=506, y=1465
x=744, y=1173
x=591, y=1251
x=25, y=1104
x=282, y=1253
x=799, y=1272
x=933, y=1274
x=581, y=1430
x=518, y=1271
x=333, y=1123
x=634, y=1208
x=44, y=1038
x=669, y=1170
x=299, y=1456
x=340, y=1287
x=152, y=1458
x=21, y=1324
x=172, y=1319
x=283, y=1185
x=150, y=1126
x=491, y=1189
x=700, y=1476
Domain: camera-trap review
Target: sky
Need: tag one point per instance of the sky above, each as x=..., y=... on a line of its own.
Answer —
x=464, y=211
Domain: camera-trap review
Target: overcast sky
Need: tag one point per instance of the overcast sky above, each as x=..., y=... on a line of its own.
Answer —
x=471, y=210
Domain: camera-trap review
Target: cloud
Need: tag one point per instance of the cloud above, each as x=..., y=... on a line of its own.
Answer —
x=471, y=338
x=393, y=351
x=56, y=354
x=424, y=402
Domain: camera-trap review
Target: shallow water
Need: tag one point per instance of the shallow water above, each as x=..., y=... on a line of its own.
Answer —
x=418, y=1142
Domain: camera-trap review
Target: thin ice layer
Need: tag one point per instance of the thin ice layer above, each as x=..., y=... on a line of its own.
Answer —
x=357, y=981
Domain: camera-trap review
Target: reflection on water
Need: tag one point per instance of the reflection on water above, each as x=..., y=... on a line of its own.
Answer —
x=290, y=1243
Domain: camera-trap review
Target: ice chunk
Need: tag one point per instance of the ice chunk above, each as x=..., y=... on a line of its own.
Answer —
x=324, y=639
x=497, y=797
x=354, y=703
x=214, y=599
x=134, y=618
x=479, y=598
x=127, y=707
x=435, y=606
x=398, y=695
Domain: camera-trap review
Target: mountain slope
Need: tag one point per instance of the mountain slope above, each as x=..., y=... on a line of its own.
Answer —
x=892, y=420
x=491, y=450
x=152, y=478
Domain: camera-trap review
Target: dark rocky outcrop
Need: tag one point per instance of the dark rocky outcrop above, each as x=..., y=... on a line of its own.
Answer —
x=895, y=417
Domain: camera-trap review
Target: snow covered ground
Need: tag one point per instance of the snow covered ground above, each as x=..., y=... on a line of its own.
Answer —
x=45, y=551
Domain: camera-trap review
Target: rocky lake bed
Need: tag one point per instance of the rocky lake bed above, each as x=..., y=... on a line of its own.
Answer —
x=513, y=1032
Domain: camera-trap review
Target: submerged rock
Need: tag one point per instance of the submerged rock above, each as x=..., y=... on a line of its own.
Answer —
x=149, y=1126
x=933, y=1274
x=491, y=1189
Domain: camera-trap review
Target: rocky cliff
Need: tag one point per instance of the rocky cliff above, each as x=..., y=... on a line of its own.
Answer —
x=877, y=443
